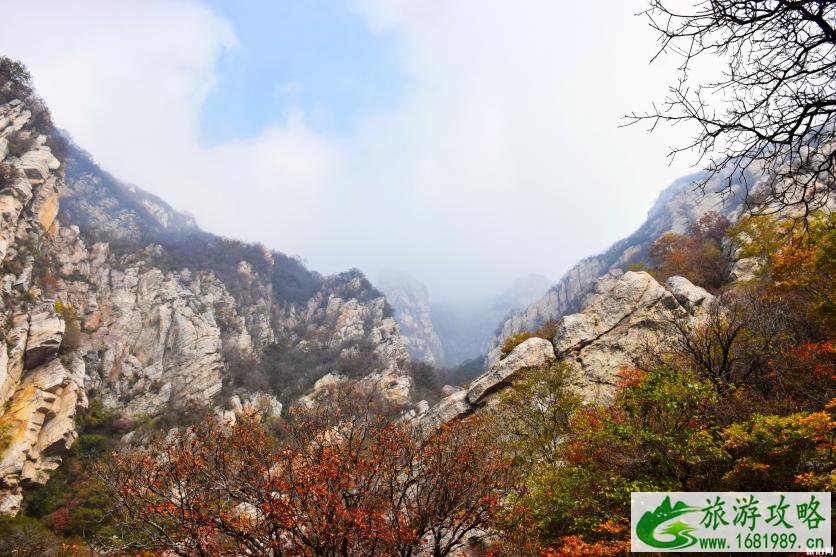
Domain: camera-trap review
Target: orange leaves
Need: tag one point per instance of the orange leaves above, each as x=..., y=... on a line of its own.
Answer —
x=575, y=546
x=344, y=479
x=769, y=450
x=818, y=357
x=629, y=376
x=697, y=255
x=801, y=261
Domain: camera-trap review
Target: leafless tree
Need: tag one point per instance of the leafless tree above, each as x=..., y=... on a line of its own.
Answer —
x=737, y=341
x=772, y=113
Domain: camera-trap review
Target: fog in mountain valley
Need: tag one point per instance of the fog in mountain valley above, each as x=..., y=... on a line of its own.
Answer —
x=488, y=149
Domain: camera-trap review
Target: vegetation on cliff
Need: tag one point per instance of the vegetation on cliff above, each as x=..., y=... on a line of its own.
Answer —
x=739, y=397
x=745, y=401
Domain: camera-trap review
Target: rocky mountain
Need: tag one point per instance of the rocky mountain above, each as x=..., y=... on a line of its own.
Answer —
x=679, y=205
x=106, y=209
x=41, y=385
x=411, y=302
x=447, y=334
x=116, y=296
x=623, y=313
x=467, y=328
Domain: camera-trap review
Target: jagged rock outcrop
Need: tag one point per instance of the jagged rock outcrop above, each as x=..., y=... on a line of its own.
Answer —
x=626, y=313
x=411, y=302
x=693, y=298
x=40, y=393
x=161, y=315
x=46, y=328
x=165, y=324
x=252, y=405
x=679, y=205
x=532, y=353
x=564, y=297
x=110, y=210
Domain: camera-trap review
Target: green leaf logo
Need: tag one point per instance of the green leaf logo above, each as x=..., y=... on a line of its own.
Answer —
x=681, y=532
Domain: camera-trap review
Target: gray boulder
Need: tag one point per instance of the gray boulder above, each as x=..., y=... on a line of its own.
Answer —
x=45, y=331
x=531, y=353
x=691, y=297
x=627, y=314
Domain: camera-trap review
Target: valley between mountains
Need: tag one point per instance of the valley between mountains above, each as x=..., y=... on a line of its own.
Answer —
x=696, y=353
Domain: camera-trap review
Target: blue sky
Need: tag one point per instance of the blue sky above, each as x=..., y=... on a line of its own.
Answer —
x=466, y=142
x=318, y=56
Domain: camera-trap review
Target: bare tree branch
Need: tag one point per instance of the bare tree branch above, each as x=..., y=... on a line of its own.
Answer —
x=770, y=118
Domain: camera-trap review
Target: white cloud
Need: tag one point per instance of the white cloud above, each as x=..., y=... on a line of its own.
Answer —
x=502, y=157
x=507, y=147
x=288, y=88
x=128, y=81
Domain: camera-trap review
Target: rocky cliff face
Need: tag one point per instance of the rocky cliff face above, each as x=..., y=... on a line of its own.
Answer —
x=109, y=210
x=41, y=377
x=157, y=335
x=119, y=297
x=624, y=313
x=411, y=302
x=677, y=207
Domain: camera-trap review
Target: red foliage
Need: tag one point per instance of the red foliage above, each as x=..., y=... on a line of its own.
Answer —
x=59, y=520
x=344, y=480
x=697, y=255
x=818, y=357
x=629, y=376
x=575, y=546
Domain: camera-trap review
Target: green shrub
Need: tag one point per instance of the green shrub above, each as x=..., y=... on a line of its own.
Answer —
x=26, y=536
x=15, y=80
x=59, y=146
x=546, y=331
x=72, y=330
x=466, y=371
x=428, y=381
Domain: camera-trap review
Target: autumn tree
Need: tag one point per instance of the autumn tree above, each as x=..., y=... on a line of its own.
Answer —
x=657, y=434
x=793, y=291
x=341, y=478
x=536, y=414
x=736, y=341
x=772, y=111
x=806, y=263
x=792, y=452
x=696, y=255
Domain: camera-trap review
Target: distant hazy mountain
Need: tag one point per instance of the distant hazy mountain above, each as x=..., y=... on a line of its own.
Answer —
x=411, y=302
x=677, y=206
x=466, y=329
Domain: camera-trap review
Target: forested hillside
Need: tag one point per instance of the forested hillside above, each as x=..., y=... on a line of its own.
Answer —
x=168, y=391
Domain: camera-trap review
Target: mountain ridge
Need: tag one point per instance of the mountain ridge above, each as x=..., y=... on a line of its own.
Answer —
x=677, y=206
x=110, y=294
